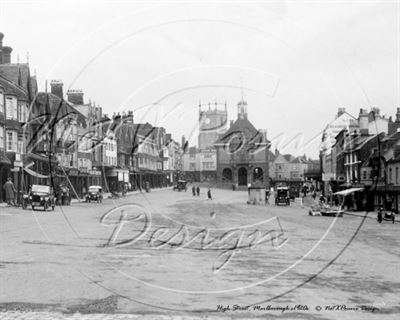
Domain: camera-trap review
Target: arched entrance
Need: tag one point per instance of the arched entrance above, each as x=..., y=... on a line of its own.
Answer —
x=242, y=177
x=227, y=175
x=258, y=175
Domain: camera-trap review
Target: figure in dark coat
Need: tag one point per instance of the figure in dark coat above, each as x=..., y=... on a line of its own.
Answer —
x=198, y=191
x=194, y=190
x=10, y=192
x=209, y=194
x=380, y=215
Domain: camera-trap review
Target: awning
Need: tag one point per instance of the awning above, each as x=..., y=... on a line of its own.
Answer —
x=4, y=159
x=41, y=158
x=348, y=191
x=35, y=174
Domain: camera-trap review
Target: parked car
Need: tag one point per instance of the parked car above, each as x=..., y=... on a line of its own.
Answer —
x=42, y=196
x=282, y=196
x=95, y=193
x=180, y=185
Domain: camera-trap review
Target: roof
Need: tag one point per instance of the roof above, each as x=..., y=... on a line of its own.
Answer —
x=360, y=141
x=288, y=157
x=19, y=73
x=299, y=160
x=394, y=160
x=391, y=139
x=243, y=128
x=12, y=88
x=49, y=103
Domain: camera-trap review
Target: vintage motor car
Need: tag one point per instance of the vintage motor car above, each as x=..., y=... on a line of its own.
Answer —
x=95, y=193
x=282, y=196
x=181, y=185
x=42, y=196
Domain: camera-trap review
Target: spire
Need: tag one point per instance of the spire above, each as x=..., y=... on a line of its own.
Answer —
x=242, y=105
x=241, y=86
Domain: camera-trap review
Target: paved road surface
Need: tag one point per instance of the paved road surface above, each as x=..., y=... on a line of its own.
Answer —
x=165, y=254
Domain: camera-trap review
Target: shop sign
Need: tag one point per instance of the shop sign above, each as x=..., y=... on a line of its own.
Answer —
x=17, y=163
x=73, y=172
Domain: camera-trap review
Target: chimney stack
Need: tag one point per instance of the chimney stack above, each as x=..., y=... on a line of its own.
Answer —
x=6, y=54
x=398, y=115
x=57, y=88
x=75, y=96
x=363, y=121
x=340, y=112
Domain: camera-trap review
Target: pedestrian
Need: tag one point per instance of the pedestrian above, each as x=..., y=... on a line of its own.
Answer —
x=194, y=190
x=209, y=194
x=10, y=192
x=380, y=217
x=314, y=195
x=198, y=190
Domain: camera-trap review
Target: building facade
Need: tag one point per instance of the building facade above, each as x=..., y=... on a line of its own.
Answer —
x=242, y=153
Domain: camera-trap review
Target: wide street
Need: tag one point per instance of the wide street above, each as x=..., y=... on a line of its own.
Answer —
x=169, y=253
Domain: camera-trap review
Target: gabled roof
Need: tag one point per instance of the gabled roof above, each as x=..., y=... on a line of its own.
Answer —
x=242, y=126
x=48, y=103
x=12, y=88
x=243, y=131
x=19, y=73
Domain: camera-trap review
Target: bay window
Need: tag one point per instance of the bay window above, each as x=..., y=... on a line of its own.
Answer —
x=11, y=108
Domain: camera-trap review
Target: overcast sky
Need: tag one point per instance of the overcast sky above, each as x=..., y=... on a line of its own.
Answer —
x=297, y=61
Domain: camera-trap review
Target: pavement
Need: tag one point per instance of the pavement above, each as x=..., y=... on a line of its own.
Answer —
x=169, y=255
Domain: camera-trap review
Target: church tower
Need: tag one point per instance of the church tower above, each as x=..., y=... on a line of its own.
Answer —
x=213, y=119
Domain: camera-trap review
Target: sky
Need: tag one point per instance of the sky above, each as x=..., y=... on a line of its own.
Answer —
x=294, y=62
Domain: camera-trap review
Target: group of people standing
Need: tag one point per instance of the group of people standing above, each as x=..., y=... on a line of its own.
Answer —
x=196, y=191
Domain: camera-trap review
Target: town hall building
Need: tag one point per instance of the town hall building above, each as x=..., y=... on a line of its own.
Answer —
x=242, y=153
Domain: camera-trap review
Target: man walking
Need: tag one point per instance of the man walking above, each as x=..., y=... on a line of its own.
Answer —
x=209, y=194
x=10, y=192
x=198, y=191
x=194, y=191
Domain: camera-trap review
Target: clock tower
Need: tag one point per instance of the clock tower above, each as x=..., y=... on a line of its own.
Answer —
x=213, y=120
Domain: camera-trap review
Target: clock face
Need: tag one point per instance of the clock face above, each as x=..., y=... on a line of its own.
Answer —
x=207, y=120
